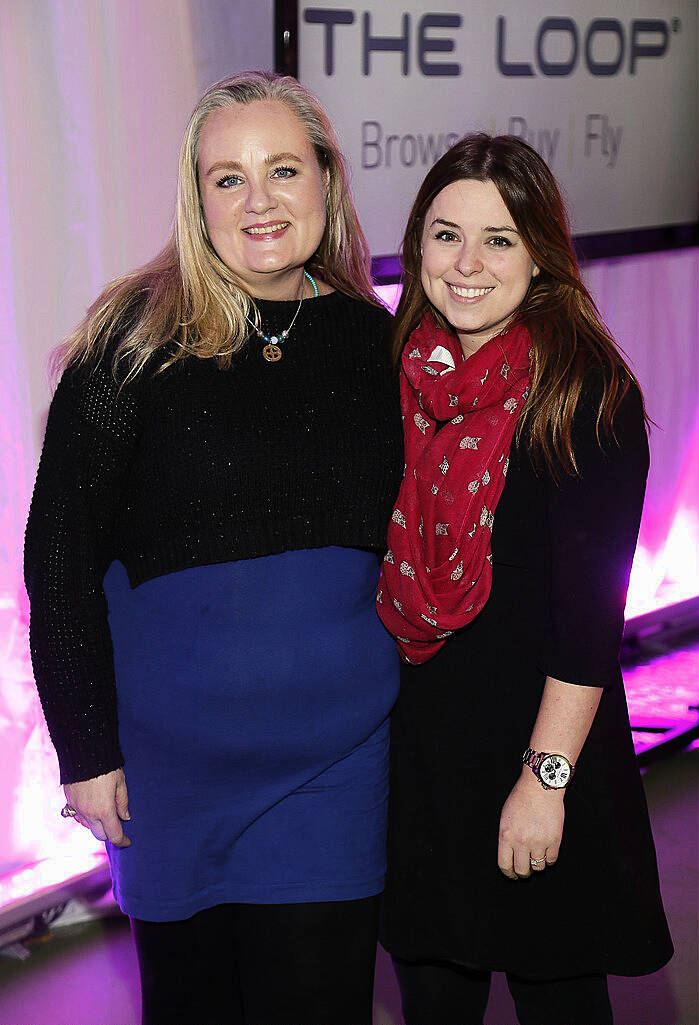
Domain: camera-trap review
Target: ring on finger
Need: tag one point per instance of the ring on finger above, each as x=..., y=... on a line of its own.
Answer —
x=537, y=861
x=68, y=811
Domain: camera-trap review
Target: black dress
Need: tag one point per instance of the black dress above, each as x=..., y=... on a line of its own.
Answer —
x=561, y=561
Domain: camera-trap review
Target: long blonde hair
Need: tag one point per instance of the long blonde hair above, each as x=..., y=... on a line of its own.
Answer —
x=569, y=336
x=186, y=297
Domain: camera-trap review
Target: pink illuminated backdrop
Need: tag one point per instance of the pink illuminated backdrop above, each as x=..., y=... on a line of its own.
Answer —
x=93, y=98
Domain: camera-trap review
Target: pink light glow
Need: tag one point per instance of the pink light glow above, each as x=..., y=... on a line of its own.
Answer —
x=31, y=880
x=669, y=575
x=38, y=848
x=389, y=295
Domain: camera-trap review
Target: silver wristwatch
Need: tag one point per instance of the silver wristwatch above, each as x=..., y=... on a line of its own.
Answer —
x=553, y=771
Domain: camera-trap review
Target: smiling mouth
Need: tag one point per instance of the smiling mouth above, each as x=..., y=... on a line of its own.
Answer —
x=469, y=293
x=266, y=229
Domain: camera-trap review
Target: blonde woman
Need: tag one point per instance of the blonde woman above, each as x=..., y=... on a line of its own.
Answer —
x=201, y=574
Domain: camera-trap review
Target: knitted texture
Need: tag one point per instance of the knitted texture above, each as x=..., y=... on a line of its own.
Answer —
x=195, y=466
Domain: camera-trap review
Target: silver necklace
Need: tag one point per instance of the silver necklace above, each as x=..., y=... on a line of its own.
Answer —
x=271, y=350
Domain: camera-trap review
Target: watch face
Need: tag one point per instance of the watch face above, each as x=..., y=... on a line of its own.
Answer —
x=555, y=771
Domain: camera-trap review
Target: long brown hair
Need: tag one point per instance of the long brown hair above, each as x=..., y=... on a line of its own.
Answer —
x=187, y=295
x=569, y=336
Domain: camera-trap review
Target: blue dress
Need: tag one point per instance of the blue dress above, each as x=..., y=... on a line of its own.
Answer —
x=253, y=699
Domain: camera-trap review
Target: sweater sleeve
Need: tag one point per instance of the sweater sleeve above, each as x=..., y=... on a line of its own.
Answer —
x=593, y=523
x=91, y=431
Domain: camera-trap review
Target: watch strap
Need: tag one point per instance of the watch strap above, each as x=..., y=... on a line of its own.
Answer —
x=533, y=759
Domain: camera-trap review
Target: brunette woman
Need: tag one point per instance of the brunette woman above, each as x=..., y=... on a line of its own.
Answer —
x=510, y=549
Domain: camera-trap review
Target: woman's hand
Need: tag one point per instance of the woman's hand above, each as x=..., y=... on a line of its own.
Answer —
x=531, y=826
x=101, y=805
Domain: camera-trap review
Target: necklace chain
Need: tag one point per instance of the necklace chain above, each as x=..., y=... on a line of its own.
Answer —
x=271, y=350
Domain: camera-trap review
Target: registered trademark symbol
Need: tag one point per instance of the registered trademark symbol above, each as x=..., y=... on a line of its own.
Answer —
x=676, y=25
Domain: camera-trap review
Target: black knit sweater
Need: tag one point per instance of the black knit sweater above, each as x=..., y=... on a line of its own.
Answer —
x=195, y=466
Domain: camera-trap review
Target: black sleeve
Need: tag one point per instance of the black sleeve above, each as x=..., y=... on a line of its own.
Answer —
x=593, y=523
x=91, y=431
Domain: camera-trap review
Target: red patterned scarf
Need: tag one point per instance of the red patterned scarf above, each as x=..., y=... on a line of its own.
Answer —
x=436, y=574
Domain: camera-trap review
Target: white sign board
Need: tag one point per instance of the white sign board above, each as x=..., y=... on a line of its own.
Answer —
x=606, y=93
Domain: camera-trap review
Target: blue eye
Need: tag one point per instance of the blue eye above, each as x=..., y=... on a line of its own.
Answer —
x=284, y=172
x=228, y=181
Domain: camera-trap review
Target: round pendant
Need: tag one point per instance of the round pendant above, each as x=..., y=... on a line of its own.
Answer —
x=272, y=353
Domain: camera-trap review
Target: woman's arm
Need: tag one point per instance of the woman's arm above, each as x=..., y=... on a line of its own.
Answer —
x=91, y=432
x=531, y=824
x=592, y=523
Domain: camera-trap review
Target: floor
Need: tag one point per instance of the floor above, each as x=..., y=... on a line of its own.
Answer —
x=86, y=974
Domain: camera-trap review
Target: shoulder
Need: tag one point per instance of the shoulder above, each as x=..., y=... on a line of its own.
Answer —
x=628, y=436
x=360, y=309
x=98, y=385
x=361, y=325
x=123, y=357
x=628, y=412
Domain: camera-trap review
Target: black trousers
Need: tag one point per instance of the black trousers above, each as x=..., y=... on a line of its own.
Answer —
x=261, y=964
x=441, y=993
